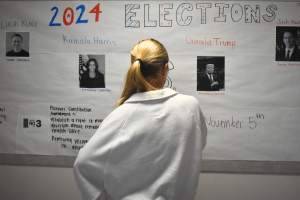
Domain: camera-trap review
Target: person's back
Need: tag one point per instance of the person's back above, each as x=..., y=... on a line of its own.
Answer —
x=150, y=146
x=155, y=152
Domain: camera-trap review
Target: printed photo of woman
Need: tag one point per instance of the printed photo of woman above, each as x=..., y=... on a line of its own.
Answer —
x=89, y=73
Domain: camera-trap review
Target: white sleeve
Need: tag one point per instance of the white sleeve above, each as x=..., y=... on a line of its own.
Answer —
x=194, y=106
x=203, y=129
x=89, y=167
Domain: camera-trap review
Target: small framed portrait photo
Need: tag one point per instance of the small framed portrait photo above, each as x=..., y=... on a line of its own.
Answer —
x=91, y=71
x=17, y=44
x=287, y=43
x=210, y=73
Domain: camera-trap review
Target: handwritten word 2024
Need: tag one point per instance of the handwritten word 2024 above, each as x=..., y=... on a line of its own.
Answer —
x=68, y=16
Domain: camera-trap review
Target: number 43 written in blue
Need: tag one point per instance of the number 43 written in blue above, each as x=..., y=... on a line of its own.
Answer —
x=66, y=15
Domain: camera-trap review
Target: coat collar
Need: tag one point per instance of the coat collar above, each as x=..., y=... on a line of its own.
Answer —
x=151, y=95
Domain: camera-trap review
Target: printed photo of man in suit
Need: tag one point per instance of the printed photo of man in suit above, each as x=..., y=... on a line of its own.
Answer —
x=290, y=51
x=210, y=79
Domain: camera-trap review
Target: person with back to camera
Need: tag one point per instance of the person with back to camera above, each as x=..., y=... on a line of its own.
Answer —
x=92, y=78
x=150, y=146
x=17, y=51
x=290, y=51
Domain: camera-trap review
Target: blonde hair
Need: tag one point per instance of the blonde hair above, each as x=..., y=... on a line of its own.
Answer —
x=147, y=57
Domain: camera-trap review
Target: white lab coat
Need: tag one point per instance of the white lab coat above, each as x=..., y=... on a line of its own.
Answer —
x=149, y=148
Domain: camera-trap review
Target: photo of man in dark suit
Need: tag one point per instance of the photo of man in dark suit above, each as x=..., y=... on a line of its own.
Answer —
x=290, y=52
x=209, y=81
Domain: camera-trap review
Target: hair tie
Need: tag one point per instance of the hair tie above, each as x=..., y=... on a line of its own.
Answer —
x=138, y=60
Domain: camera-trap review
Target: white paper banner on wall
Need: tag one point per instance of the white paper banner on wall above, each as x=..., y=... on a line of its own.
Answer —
x=47, y=52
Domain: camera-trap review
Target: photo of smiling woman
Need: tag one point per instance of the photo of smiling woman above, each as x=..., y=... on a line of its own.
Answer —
x=90, y=75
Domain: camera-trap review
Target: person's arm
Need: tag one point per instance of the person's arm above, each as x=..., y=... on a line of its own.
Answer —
x=89, y=168
x=102, y=81
x=90, y=165
x=220, y=82
x=194, y=107
x=203, y=129
x=84, y=80
x=204, y=83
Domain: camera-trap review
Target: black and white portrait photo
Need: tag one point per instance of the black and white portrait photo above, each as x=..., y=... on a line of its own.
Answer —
x=17, y=44
x=210, y=73
x=287, y=43
x=91, y=71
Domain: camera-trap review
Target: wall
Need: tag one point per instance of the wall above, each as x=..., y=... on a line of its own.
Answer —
x=48, y=183
x=30, y=183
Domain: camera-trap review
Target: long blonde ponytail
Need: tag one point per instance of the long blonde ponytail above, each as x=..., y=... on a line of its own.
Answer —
x=147, y=57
